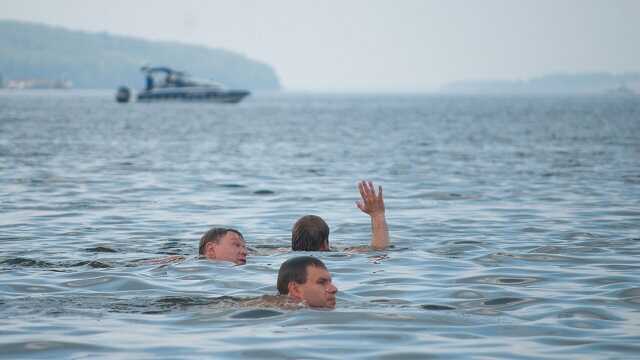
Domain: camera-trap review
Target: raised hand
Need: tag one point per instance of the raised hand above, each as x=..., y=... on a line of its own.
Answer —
x=371, y=203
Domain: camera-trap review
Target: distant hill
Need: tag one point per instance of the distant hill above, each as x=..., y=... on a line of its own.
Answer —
x=586, y=83
x=101, y=60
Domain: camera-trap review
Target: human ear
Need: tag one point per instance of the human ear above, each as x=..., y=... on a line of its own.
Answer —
x=210, y=250
x=294, y=290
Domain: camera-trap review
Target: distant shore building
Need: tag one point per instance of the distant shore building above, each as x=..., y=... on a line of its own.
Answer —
x=38, y=84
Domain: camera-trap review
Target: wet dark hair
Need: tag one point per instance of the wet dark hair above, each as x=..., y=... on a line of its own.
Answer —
x=214, y=235
x=295, y=269
x=309, y=233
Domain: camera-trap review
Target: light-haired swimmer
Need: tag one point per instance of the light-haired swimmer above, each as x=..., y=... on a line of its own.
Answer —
x=311, y=232
x=220, y=244
x=223, y=244
x=306, y=280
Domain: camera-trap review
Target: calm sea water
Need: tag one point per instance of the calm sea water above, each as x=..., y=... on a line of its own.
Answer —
x=515, y=223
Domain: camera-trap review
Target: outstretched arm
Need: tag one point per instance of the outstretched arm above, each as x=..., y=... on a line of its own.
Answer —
x=372, y=204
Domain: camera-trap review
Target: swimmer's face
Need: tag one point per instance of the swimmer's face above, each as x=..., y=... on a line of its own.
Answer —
x=230, y=247
x=318, y=291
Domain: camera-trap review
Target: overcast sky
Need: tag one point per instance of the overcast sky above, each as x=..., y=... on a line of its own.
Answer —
x=375, y=45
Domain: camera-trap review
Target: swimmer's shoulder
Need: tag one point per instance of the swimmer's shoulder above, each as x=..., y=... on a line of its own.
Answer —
x=283, y=302
x=172, y=259
x=363, y=249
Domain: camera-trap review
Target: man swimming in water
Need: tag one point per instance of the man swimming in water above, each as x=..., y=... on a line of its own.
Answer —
x=305, y=279
x=221, y=244
x=311, y=233
x=224, y=244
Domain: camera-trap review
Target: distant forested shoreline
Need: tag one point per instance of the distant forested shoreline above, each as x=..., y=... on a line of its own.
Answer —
x=101, y=60
x=580, y=83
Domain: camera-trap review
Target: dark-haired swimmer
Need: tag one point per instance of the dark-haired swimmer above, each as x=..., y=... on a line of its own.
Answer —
x=311, y=232
x=305, y=279
x=224, y=244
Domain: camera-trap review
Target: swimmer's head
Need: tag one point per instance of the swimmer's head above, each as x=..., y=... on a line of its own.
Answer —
x=310, y=233
x=224, y=244
x=305, y=278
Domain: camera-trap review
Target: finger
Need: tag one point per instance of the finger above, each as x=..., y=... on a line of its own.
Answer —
x=359, y=205
x=361, y=189
x=372, y=190
x=380, y=197
x=365, y=187
x=367, y=190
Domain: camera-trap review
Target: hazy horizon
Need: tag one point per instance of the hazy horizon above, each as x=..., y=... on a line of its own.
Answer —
x=383, y=46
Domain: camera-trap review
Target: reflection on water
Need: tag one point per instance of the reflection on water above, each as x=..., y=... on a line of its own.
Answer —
x=515, y=223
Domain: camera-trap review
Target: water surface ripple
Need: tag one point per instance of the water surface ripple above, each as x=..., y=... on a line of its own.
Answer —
x=515, y=223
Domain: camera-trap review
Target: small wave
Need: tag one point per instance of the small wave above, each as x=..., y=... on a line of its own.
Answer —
x=499, y=280
x=316, y=172
x=61, y=349
x=101, y=249
x=532, y=229
x=631, y=292
x=394, y=280
x=505, y=301
x=232, y=186
x=503, y=257
x=631, y=179
x=623, y=213
x=437, y=307
x=467, y=242
x=438, y=195
x=264, y=192
x=26, y=262
x=547, y=249
x=256, y=314
x=585, y=313
x=34, y=263
x=580, y=235
x=390, y=301
x=467, y=294
x=92, y=263
x=630, y=296
x=67, y=304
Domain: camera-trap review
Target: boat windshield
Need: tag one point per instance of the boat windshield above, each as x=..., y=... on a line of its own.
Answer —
x=174, y=80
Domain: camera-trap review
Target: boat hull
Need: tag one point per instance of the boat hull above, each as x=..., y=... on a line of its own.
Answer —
x=201, y=94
